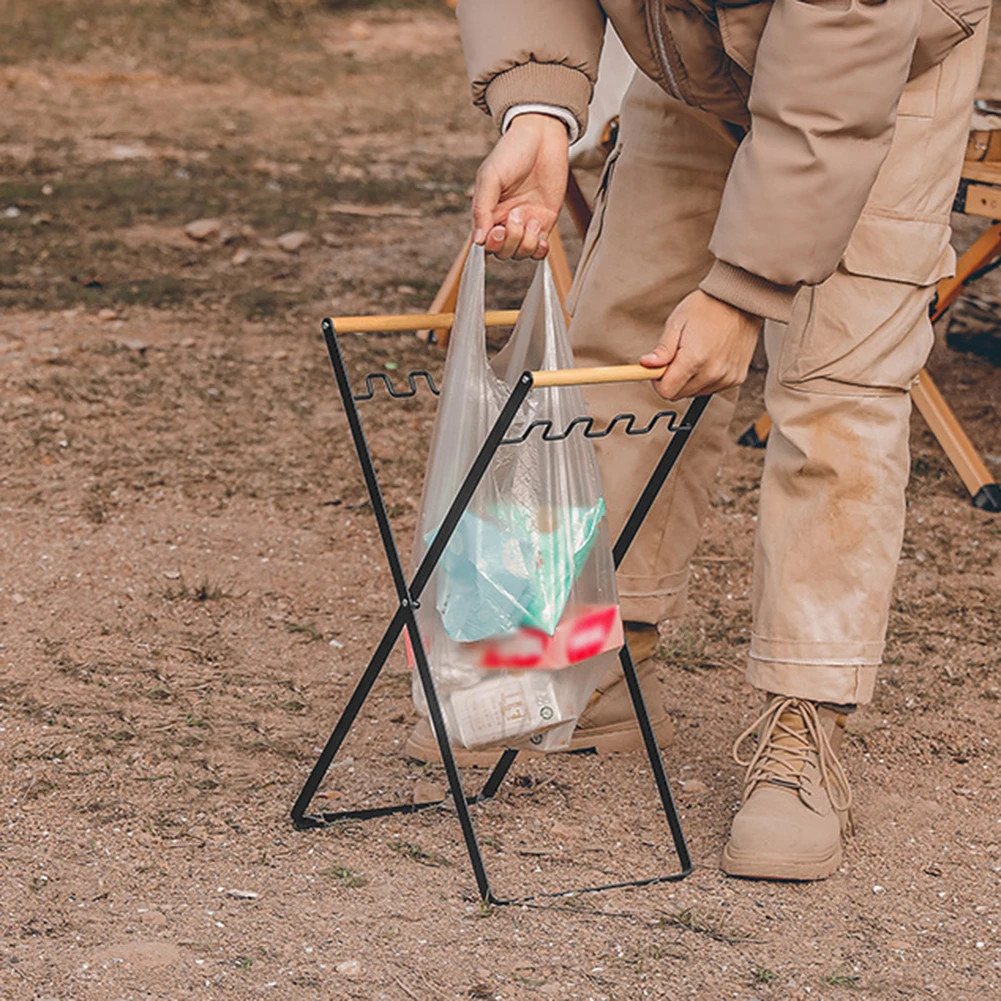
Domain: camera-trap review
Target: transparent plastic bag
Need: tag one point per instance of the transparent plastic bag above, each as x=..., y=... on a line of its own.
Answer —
x=520, y=618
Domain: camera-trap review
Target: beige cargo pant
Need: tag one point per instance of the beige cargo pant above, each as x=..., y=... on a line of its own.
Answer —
x=831, y=515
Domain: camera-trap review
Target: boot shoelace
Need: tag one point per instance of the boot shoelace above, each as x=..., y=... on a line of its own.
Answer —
x=785, y=764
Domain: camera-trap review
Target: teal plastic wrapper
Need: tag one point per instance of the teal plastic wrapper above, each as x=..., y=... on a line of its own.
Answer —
x=501, y=573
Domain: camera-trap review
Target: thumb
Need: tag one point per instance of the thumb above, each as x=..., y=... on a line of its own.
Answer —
x=667, y=347
x=660, y=356
x=486, y=195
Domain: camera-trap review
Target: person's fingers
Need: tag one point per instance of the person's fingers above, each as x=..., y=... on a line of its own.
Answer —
x=674, y=383
x=541, y=250
x=514, y=231
x=494, y=239
x=486, y=195
x=530, y=241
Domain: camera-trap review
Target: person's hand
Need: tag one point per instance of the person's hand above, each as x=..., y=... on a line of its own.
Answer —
x=707, y=346
x=520, y=187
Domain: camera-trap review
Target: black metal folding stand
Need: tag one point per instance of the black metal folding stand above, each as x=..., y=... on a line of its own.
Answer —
x=409, y=594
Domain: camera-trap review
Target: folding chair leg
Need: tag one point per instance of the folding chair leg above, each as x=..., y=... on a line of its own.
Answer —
x=984, y=491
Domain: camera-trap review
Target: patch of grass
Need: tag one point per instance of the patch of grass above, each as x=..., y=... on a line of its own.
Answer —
x=416, y=853
x=305, y=629
x=653, y=952
x=206, y=590
x=688, y=650
x=243, y=962
x=842, y=978
x=39, y=787
x=710, y=926
x=761, y=975
x=341, y=874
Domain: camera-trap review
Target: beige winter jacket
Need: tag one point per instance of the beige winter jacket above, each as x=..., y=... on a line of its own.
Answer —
x=814, y=83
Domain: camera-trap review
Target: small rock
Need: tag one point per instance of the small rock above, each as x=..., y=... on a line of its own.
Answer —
x=428, y=792
x=293, y=241
x=279, y=355
x=155, y=919
x=359, y=31
x=172, y=574
x=47, y=190
x=330, y=239
x=242, y=894
x=696, y=787
x=241, y=257
x=563, y=832
x=337, y=644
x=18, y=599
x=188, y=342
x=202, y=229
x=11, y=212
x=349, y=968
x=107, y=315
x=896, y=943
x=406, y=290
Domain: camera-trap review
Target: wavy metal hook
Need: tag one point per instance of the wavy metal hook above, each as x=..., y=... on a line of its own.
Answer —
x=587, y=423
x=398, y=394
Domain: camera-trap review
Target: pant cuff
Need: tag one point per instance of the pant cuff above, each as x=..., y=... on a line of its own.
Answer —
x=822, y=672
x=653, y=599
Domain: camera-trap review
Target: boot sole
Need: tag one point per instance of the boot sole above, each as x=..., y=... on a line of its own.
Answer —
x=612, y=739
x=754, y=865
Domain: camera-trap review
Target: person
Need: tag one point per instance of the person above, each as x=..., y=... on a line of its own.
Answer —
x=786, y=166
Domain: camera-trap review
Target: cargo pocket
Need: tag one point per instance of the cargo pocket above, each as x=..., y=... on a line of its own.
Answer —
x=865, y=331
x=593, y=230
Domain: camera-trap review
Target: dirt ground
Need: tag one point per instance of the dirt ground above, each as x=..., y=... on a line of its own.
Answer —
x=191, y=579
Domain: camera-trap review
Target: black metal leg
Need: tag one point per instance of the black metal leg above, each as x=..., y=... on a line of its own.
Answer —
x=409, y=600
x=656, y=760
x=658, y=477
x=344, y=724
x=448, y=758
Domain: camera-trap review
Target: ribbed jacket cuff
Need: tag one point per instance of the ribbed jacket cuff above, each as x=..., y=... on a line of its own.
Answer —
x=749, y=292
x=540, y=83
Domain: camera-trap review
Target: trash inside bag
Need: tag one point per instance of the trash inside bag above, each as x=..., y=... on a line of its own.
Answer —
x=503, y=572
x=525, y=620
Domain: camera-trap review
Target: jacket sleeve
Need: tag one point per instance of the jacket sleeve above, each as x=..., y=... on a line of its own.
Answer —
x=532, y=52
x=826, y=84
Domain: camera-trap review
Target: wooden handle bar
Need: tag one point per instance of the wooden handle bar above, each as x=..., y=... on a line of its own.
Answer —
x=594, y=376
x=496, y=318
x=416, y=321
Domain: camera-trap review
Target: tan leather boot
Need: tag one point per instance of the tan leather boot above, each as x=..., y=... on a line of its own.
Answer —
x=796, y=796
x=608, y=724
